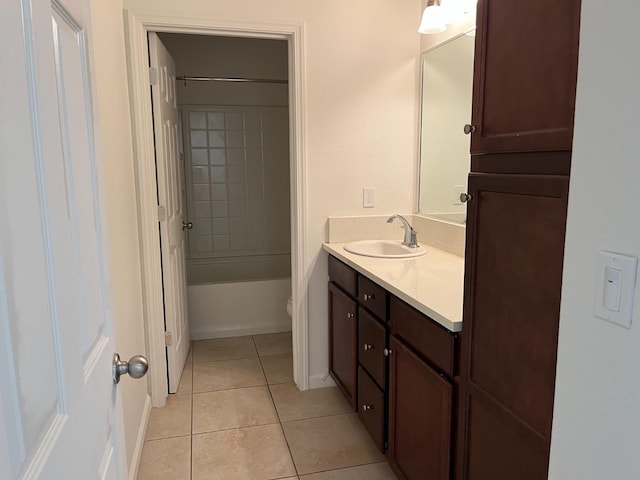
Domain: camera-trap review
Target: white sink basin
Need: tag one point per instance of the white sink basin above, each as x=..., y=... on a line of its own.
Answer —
x=384, y=249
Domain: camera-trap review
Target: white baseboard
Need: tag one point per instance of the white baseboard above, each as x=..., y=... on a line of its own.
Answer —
x=142, y=431
x=321, y=381
x=209, y=333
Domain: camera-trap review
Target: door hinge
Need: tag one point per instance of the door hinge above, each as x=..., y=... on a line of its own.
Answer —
x=153, y=76
x=162, y=213
x=168, y=339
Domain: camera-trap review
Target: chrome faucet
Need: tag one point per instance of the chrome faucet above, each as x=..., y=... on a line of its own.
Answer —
x=410, y=235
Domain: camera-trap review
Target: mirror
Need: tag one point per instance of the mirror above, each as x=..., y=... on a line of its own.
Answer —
x=447, y=79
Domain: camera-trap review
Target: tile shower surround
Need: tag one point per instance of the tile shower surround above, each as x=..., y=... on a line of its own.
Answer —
x=237, y=415
x=237, y=171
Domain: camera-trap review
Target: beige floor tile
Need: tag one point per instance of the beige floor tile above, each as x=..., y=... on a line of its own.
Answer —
x=189, y=360
x=253, y=453
x=329, y=443
x=373, y=471
x=292, y=404
x=273, y=343
x=225, y=374
x=185, y=387
x=166, y=459
x=172, y=420
x=223, y=349
x=278, y=368
x=240, y=407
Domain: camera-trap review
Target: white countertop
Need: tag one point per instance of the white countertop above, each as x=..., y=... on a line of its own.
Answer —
x=432, y=283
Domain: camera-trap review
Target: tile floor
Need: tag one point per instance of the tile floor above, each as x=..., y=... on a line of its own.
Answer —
x=237, y=415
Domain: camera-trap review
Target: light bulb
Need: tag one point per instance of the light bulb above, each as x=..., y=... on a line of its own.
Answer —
x=432, y=20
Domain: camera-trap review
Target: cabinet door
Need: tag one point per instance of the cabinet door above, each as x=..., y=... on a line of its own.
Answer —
x=420, y=423
x=525, y=74
x=514, y=254
x=343, y=338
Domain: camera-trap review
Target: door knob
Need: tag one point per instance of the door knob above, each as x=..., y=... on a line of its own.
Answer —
x=387, y=352
x=187, y=225
x=465, y=197
x=469, y=129
x=136, y=367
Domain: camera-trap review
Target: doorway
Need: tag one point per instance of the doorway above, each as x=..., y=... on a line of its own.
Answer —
x=221, y=104
x=138, y=25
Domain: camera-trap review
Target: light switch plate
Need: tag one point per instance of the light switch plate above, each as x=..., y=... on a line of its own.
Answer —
x=615, y=288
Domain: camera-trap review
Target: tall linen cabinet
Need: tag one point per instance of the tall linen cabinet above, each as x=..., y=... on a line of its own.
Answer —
x=521, y=136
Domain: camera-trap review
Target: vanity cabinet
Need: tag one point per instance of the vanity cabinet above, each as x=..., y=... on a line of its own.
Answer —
x=524, y=84
x=405, y=369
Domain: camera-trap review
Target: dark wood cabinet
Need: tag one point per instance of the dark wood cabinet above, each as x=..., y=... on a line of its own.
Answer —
x=526, y=63
x=343, y=337
x=513, y=275
x=420, y=417
x=397, y=368
x=523, y=113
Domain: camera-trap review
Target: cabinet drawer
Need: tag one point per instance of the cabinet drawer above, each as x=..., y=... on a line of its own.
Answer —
x=430, y=340
x=373, y=297
x=372, y=343
x=343, y=276
x=371, y=407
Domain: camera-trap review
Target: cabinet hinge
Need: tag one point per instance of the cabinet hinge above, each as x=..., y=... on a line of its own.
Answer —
x=162, y=213
x=168, y=339
x=153, y=76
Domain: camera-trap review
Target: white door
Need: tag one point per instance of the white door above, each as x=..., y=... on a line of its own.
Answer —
x=171, y=201
x=60, y=413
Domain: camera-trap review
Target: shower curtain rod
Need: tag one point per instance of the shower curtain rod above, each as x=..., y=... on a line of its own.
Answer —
x=187, y=78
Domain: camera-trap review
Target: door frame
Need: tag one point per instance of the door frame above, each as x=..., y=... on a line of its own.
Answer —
x=137, y=25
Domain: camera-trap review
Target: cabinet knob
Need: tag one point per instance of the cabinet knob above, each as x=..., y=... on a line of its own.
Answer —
x=366, y=408
x=387, y=352
x=369, y=296
x=351, y=315
x=367, y=346
x=468, y=128
x=465, y=197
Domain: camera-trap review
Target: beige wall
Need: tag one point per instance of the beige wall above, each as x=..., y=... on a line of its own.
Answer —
x=361, y=75
x=596, y=427
x=114, y=146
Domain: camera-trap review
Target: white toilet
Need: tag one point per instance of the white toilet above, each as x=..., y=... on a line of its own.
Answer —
x=289, y=306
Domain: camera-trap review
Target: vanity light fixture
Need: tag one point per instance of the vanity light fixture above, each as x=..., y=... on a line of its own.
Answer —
x=432, y=18
x=440, y=13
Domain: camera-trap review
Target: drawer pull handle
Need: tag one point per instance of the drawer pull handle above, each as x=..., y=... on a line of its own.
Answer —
x=369, y=296
x=350, y=315
x=367, y=346
x=387, y=352
x=366, y=408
